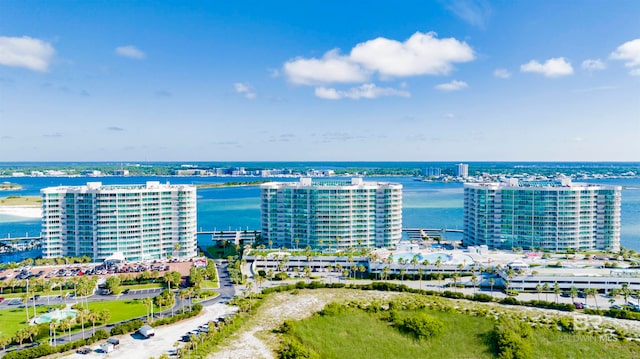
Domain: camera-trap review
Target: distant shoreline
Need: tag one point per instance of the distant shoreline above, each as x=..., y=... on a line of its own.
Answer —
x=231, y=184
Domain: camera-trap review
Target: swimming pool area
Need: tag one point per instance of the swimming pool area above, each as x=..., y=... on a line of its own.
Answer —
x=55, y=315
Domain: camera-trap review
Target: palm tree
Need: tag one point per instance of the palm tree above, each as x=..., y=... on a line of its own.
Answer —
x=147, y=303
x=440, y=277
x=474, y=281
x=455, y=280
x=573, y=293
x=82, y=315
x=626, y=293
x=414, y=261
x=420, y=273
x=593, y=292
x=362, y=269
x=539, y=290
x=556, y=290
x=491, y=283
x=104, y=315
x=4, y=341
x=545, y=288
x=25, y=299
x=386, y=272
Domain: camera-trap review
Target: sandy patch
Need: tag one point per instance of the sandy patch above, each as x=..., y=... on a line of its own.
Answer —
x=258, y=340
x=21, y=211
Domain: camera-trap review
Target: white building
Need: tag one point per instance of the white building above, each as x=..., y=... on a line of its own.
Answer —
x=552, y=215
x=331, y=214
x=462, y=170
x=149, y=221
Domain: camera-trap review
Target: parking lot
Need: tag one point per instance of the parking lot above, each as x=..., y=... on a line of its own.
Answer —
x=164, y=340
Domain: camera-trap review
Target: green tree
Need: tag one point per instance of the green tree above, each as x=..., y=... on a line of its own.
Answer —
x=474, y=281
x=491, y=283
x=172, y=279
x=556, y=290
x=573, y=293
x=113, y=284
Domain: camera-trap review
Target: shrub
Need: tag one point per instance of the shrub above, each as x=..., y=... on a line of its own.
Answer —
x=127, y=327
x=293, y=349
x=421, y=326
x=481, y=297
x=511, y=339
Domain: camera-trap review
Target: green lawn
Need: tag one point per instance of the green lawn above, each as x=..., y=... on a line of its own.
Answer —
x=121, y=309
x=357, y=334
x=143, y=286
x=15, y=319
x=209, y=284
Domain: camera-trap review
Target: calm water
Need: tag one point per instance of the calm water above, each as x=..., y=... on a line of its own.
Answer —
x=426, y=204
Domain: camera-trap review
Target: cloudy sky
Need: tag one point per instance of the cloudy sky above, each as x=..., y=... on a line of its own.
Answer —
x=327, y=80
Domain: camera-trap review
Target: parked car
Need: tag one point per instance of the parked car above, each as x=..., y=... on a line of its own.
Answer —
x=85, y=350
x=578, y=305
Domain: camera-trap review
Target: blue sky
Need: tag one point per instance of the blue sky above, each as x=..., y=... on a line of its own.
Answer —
x=329, y=80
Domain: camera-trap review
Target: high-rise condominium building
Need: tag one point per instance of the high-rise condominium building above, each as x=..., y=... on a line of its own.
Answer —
x=432, y=172
x=331, y=214
x=553, y=215
x=462, y=170
x=150, y=221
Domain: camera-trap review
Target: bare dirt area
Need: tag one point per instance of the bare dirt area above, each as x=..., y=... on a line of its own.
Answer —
x=257, y=340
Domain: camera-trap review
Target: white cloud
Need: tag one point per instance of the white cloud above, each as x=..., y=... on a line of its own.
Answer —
x=629, y=52
x=593, y=65
x=131, y=52
x=454, y=85
x=421, y=54
x=553, y=67
x=502, y=73
x=474, y=12
x=27, y=52
x=368, y=91
x=449, y=115
x=331, y=68
x=244, y=89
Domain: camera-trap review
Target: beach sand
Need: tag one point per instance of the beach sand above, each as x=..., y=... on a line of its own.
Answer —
x=21, y=211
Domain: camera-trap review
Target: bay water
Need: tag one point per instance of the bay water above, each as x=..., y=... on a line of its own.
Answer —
x=425, y=204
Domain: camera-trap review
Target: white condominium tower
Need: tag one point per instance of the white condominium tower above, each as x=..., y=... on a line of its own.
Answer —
x=462, y=170
x=141, y=222
x=551, y=215
x=331, y=214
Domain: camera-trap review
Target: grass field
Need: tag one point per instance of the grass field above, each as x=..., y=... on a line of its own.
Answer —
x=209, y=284
x=15, y=319
x=143, y=286
x=34, y=201
x=357, y=334
x=120, y=309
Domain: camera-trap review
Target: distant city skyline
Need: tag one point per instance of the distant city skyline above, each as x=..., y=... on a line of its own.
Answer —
x=450, y=80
